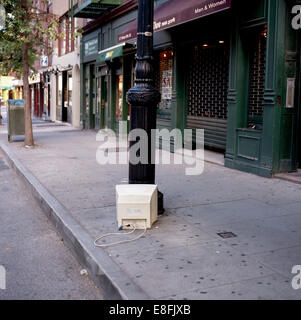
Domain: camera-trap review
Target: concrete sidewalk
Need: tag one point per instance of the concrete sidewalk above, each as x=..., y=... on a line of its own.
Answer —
x=182, y=257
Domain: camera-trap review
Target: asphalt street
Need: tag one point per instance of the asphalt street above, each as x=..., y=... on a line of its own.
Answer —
x=38, y=265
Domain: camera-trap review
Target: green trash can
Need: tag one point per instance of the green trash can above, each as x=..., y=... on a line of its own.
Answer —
x=15, y=118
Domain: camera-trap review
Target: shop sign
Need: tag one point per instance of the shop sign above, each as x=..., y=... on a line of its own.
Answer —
x=44, y=61
x=35, y=78
x=109, y=54
x=91, y=47
x=176, y=12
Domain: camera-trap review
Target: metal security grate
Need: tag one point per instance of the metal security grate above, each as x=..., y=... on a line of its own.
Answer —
x=208, y=82
x=207, y=87
x=257, y=79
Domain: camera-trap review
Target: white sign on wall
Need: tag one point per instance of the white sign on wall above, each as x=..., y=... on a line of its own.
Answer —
x=44, y=61
x=167, y=85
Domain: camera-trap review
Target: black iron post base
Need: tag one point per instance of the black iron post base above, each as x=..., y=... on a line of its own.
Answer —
x=161, y=209
x=144, y=98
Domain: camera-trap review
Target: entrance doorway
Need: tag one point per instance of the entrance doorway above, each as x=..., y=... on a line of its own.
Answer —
x=299, y=131
x=298, y=107
x=207, y=87
x=101, y=115
x=65, y=98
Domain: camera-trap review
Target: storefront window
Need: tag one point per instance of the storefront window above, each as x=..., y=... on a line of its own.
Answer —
x=60, y=90
x=63, y=40
x=207, y=80
x=165, y=79
x=98, y=95
x=87, y=89
x=93, y=84
x=119, y=97
x=257, y=79
x=70, y=90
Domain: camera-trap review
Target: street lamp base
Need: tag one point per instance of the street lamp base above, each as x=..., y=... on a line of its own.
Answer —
x=161, y=209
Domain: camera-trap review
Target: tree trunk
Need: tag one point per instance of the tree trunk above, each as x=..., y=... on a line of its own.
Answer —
x=27, y=110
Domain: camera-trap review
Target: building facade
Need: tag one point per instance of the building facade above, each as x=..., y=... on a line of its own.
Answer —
x=39, y=83
x=231, y=68
x=65, y=69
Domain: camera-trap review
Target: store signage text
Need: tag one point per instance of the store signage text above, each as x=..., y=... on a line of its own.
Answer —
x=44, y=61
x=177, y=16
x=91, y=47
x=109, y=54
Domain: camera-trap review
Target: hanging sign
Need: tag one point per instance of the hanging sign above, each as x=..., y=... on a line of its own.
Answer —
x=91, y=47
x=44, y=61
x=176, y=12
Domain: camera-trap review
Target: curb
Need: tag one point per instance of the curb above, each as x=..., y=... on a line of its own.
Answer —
x=106, y=274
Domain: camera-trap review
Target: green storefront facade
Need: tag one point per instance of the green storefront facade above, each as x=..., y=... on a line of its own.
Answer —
x=234, y=73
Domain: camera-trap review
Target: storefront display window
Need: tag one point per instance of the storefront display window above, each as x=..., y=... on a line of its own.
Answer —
x=119, y=97
x=257, y=67
x=70, y=90
x=165, y=79
x=87, y=88
x=60, y=89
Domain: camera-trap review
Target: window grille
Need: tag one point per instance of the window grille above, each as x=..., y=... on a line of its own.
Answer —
x=257, y=79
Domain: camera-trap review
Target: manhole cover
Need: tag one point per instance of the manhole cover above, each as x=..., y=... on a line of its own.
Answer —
x=227, y=235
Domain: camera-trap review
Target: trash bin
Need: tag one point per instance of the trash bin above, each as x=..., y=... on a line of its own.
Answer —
x=15, y=118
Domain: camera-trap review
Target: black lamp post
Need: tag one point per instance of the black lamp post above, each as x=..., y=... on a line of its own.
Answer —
x=144, y=98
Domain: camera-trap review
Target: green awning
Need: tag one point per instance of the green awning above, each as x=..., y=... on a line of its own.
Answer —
x=111, y=53
x=6, y=88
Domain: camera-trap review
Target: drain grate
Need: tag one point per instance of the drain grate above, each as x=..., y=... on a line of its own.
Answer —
x=227, y=235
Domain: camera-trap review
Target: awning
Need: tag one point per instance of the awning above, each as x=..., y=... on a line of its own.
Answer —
x=6, y=88
x=112, y=53
x=175, y=12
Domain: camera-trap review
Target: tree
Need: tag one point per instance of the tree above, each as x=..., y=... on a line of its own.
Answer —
x=29, y=32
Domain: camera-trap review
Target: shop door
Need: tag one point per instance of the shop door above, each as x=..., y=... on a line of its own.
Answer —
x=98, y=104
x=65, y=98
x=207, y=87
x=36, y=100
x=49, y=99
x=163, y=83
x=298, y=104
x=101, y=102
x=104, y=101
x=92, y=94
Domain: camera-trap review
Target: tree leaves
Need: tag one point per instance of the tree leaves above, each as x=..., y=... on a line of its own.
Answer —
x=25, y=22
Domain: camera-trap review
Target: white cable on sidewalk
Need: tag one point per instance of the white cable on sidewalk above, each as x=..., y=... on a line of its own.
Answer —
x=119, y=242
